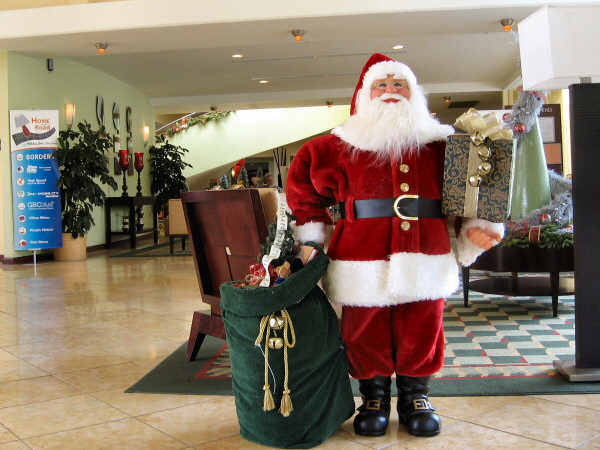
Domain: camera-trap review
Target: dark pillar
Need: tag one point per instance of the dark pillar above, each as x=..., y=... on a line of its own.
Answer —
x=585, y=152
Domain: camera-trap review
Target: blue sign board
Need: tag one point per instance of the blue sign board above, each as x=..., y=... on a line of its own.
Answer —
x=36, y=197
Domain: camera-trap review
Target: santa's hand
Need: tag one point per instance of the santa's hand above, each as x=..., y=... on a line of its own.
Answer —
x=483, y=238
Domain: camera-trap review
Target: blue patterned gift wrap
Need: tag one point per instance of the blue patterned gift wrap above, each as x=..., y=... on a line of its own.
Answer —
x=491, y=199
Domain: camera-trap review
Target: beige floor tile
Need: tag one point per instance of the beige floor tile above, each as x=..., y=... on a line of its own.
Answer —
x=140, y=351
x=14, y=393
x=18, y=370
x=52, y=416
x=57, y=318
x=125, y=434
x=104, y=378
x=469, y=436
x=14, y=445
x=21, y=332
x=593, y=444
x=6, y=356
x=189, y=423
x=106, y=334
x=544, y=420
x=76, y=360
x=6, y=436
x=141, y=404
x=465, y=407
x=591, y=401
x=57, y=345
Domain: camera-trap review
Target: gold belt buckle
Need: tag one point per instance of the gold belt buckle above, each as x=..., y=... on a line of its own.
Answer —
x=397, y=204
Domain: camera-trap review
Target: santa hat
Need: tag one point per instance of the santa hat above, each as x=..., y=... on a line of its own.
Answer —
x=378, y=67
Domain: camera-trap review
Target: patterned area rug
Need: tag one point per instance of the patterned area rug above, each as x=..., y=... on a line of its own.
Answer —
x=497, y=346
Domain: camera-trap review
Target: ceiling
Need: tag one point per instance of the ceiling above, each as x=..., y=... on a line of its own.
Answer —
x=179, y=54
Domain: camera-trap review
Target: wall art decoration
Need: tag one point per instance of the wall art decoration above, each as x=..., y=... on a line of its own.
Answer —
x=100, y=109
x=116, y=116
x=129, y=120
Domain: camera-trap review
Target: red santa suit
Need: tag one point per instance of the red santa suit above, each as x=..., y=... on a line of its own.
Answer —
x=391, y=273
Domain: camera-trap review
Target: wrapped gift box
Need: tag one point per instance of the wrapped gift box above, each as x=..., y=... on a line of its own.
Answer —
x=491, y=199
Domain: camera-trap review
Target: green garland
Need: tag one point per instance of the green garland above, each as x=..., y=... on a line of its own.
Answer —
x=550, y=237
x=203, y=119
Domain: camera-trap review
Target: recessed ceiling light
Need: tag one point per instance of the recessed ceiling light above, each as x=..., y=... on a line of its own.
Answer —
x=237, y=55
x=398, y=47
x=263, y=81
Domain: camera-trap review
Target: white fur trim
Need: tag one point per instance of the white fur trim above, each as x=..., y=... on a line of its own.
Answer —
x=468, y=252
x=381, y=70
x=407, y=277
x=313, y=231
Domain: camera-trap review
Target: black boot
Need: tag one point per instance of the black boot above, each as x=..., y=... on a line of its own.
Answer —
x=414, y=410
x=373, y=415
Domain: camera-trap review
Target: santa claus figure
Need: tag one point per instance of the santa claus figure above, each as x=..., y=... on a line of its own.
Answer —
x=391, y=260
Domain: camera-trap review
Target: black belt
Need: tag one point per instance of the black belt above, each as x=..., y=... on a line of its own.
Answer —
x=407, y=207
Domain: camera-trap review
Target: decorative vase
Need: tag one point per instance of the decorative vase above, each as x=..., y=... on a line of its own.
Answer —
x=124, y=163
x=72, y=249
x=138, y=164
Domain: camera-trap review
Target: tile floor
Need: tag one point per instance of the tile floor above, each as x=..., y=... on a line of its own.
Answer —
x=75, y=335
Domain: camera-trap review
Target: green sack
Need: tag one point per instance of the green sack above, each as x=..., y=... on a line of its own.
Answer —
x=317, y=366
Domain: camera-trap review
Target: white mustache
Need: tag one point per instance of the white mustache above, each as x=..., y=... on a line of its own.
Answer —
x=387, y=96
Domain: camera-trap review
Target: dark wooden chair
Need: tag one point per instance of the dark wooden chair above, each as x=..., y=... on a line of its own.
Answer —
x=226, y=229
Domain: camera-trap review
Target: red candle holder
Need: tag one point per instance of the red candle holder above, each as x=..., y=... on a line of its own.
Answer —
x=138, y=164
x=124, y=163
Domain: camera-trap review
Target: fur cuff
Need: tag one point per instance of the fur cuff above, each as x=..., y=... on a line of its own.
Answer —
x=313, y=231
x=467, y=251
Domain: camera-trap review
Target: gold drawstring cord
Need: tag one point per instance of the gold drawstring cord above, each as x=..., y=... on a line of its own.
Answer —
x=268, y=402
x=286, y=401
x=286, y=406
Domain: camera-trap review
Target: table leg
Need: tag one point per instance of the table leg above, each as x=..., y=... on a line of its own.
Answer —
x=554, y=283
x=132, y=225
x=465, y=281
x=108, y=227
x=155, y=222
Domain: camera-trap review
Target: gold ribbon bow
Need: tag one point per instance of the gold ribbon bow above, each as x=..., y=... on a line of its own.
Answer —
x=480, y=128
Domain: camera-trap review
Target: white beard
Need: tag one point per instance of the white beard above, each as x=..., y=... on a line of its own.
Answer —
x=391, y=129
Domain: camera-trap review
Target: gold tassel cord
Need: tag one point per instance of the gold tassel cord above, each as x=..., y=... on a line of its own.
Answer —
x=289, y=341
x=268, y=402
x=286, y=401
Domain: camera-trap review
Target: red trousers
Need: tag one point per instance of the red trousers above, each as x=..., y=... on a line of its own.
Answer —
x=407, y=339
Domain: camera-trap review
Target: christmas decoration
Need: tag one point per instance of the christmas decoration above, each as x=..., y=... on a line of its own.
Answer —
x=531, y=189
x=188, y=122
x=224, y=182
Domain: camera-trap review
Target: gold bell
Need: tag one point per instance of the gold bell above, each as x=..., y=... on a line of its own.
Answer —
x=276, y=323
x=275, y=343
x=484, y=168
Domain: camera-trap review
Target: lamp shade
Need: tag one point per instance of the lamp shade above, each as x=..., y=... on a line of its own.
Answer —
x=559, y=46
x=146, y=134
x=70, y=114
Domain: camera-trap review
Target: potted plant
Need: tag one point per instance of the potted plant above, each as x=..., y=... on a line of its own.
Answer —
x=167, y=164
x=83, y=171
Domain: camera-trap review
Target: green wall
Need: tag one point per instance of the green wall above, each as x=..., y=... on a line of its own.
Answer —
x=245, y=133
x=25, y=83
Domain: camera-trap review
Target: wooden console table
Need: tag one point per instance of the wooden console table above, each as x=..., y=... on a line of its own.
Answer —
x=132, y=203
x=515, y=260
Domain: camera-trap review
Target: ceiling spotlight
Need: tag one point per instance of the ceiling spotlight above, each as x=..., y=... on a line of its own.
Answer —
x=237, y=55
x=507, y=24
x=298, y=34
x=398, y=47
x=263, y=81
x=329, y=104
x=101, y=46
x=446, y=99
